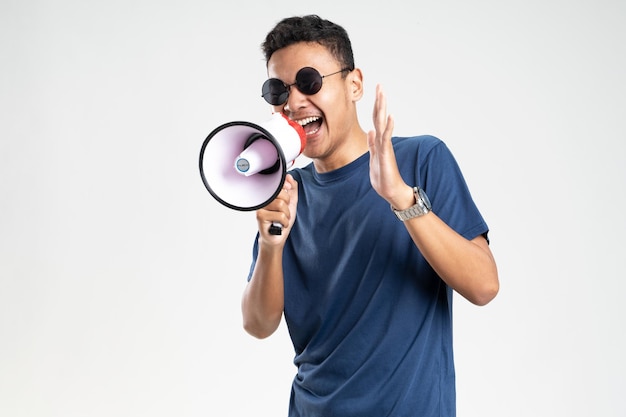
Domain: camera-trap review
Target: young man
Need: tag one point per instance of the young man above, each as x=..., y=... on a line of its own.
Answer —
x=378, y=232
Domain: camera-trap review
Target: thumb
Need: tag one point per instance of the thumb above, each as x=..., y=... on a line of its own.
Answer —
x=291, y=185
x=371, y=139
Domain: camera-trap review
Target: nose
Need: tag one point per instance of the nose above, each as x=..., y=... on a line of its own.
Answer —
x=295, y=100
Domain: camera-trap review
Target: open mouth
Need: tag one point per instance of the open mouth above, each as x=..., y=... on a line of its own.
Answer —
x=311, y=125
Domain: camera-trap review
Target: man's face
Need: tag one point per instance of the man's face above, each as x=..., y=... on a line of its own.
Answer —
x=328, y=115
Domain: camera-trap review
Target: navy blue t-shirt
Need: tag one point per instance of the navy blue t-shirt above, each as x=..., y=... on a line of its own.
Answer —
x=370, y=321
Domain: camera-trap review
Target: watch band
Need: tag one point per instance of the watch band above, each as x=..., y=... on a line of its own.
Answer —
x=420, y=208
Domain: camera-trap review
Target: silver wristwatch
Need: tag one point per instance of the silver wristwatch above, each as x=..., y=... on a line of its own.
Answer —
x=421, y=206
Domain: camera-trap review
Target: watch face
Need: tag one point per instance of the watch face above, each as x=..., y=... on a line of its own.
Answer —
x=424, y=198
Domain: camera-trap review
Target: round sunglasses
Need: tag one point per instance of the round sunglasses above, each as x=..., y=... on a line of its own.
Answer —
x=308, y=81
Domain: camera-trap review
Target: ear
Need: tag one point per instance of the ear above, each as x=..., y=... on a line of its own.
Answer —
x=356, y=84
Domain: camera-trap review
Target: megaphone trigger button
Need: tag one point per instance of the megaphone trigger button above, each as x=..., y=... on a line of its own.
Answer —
x=276, y=230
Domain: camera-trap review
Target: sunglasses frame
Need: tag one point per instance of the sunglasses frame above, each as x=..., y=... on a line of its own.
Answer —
x=283, y=96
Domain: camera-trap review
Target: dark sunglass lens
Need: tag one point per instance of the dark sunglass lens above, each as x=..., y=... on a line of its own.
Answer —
x=274, y=92
x=308, y=81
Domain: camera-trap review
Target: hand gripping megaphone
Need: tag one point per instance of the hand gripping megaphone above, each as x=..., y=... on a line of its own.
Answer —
x=243, y=165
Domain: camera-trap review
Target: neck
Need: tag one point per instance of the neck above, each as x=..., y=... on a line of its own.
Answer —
x=349, y=151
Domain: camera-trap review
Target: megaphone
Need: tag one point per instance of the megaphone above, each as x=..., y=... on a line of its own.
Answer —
x=243, y=165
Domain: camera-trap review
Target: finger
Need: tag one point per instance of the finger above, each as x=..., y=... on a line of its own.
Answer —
x=275, y=212
x=290, y=182
x=283, y=208
x=380, y=111
x=389, y=127
x=383, y=123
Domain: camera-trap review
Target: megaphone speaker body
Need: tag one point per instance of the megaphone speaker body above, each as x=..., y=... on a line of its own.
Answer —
x=243, y=165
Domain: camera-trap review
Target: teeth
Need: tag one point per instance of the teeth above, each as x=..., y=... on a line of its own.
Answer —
x=306, y=121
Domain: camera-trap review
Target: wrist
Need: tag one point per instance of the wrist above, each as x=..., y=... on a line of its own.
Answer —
x=420, y=207
x=404, y=200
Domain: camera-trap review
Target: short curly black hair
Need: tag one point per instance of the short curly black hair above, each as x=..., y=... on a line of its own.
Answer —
x=310, y=28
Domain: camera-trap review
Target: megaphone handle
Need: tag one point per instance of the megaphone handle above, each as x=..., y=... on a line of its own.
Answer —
x=276, y=229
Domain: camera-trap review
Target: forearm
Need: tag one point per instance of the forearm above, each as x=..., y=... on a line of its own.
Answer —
x=465, y=265
x=263, y=298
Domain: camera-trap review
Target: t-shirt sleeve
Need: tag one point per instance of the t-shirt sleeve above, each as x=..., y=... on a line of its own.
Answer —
x=441, y=178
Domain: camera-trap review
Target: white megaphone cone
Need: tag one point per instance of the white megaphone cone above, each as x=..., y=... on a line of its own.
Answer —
x=243, y=165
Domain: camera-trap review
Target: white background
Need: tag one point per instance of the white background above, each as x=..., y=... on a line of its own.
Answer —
x=121, y=277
